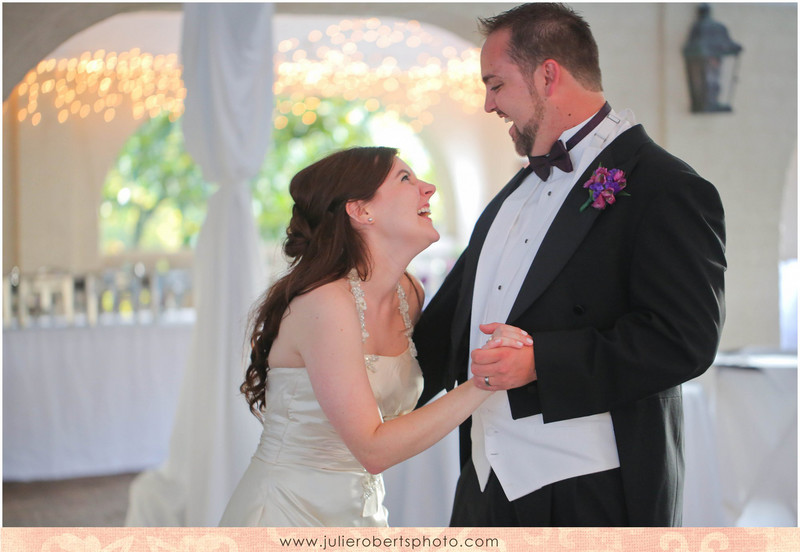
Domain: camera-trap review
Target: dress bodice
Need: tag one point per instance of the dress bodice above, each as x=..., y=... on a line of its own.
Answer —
x=296, y=429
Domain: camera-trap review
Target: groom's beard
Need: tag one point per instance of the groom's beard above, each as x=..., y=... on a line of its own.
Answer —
x=526, y=137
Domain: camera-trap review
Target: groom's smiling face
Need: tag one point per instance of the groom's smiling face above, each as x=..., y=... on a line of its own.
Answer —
x=510, y=93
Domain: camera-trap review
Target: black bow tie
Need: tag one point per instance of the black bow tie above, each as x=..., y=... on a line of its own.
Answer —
x=558, y=157
x=559, y=153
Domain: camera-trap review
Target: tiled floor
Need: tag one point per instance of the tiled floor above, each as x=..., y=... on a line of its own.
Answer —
x=87, y=502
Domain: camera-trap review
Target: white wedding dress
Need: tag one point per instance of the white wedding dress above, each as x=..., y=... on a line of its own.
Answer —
x=302, y=473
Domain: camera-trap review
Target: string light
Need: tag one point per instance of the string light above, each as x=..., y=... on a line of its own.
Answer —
x=338, y=61
x=95, y=83
x=332, y=63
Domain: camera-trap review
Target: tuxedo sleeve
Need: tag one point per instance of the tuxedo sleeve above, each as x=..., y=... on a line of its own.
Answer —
x=673, y=290
x=432, y=335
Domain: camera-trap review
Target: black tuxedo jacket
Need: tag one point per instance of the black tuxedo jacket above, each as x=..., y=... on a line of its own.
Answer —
x=623, y=304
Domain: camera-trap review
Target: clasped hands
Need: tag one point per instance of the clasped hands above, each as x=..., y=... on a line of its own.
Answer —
x=506, y=361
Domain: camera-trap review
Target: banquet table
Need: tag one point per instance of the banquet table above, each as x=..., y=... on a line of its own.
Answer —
x=755, y=412
x=86, y=401
x=702, y=486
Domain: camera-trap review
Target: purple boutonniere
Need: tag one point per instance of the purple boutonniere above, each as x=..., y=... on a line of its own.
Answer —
x=604, y=187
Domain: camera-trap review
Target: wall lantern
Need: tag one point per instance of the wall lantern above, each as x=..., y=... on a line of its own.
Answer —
x=712, y=64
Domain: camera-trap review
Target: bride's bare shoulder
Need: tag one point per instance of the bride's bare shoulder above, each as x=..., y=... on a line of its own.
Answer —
x=311, y=319
x=324, y=322
x=328, y=299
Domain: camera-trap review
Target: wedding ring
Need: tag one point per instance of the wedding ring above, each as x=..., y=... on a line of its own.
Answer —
x=486, y=381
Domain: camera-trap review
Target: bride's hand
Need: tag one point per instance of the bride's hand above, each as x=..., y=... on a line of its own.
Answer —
x=503, y=335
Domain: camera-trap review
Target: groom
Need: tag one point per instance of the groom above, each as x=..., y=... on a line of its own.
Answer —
x=620, y=284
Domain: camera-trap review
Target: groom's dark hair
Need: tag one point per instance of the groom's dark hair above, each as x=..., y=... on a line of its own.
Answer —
x=541, y=31
x=321, y=242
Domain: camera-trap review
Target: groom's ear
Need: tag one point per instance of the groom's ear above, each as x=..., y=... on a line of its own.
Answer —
x=551, y=75
x=357, y=210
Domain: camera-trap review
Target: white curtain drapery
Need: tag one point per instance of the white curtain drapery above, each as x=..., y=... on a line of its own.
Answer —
x=228, y=73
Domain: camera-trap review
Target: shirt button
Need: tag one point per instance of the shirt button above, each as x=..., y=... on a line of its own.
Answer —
x=499, y=287
x=549, y=193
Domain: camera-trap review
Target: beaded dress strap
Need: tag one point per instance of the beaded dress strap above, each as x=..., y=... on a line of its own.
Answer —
x=373, y=489
x=361, y=307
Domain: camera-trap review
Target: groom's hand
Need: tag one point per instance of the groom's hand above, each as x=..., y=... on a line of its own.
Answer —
x=507, y=360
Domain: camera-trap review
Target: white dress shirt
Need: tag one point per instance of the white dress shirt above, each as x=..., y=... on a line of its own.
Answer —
x=527, y=454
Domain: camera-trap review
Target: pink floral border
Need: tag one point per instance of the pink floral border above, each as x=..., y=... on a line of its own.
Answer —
x=397, y=540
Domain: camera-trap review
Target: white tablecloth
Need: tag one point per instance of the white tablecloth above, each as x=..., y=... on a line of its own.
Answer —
x=702, y=489
x=89, y=401
x=756, y=420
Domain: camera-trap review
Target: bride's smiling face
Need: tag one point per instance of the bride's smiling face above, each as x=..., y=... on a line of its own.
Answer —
x=400, y=209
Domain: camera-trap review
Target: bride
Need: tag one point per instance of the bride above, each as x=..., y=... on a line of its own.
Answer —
x=333, y=374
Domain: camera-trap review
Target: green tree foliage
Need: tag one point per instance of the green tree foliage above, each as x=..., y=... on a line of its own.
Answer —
x=154, y=198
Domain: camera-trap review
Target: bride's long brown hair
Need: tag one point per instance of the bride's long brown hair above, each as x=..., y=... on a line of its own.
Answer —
x=321, y=243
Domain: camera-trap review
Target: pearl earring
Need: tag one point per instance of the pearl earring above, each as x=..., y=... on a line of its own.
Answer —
x=370, y=219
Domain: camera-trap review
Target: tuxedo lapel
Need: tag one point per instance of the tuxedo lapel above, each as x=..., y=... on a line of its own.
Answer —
x=473, y=253
x=572, y=225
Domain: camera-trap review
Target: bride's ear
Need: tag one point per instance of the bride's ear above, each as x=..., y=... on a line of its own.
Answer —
x=358, y=211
